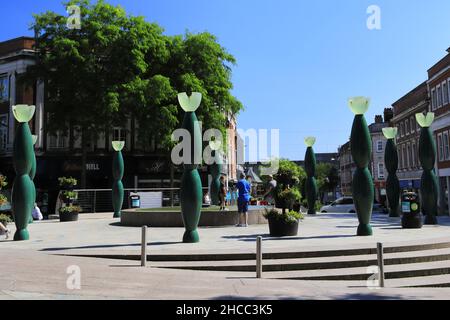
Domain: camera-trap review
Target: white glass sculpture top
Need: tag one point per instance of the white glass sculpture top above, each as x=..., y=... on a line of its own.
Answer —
x=34, y=137
x=118, y=145
x=190, y=104
x=425, y=120
x=359, y=105
x=310, y=141
x=23, y=112
x=390, y=133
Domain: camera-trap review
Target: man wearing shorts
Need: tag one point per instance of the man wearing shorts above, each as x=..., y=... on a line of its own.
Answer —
x=244, y=189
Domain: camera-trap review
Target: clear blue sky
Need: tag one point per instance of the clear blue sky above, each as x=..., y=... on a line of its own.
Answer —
x=298, y=61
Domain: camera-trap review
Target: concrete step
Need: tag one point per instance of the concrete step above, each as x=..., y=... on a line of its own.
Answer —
x=361, y=273
x=311, y=263
x=220, y=257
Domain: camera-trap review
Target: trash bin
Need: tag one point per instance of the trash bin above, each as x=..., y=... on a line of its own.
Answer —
x=135, y=201
x=412, y=217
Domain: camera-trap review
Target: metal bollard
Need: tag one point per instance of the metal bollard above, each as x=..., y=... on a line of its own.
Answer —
x=144, y=247
x=380, y=264
x=259, y=257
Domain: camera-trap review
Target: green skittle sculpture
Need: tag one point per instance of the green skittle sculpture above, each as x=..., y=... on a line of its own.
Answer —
x=361, y=149
x=22, y=191
x=391, y=162
x=117, y=171
x=310, y=168
x=427, y=156
x=191, y=196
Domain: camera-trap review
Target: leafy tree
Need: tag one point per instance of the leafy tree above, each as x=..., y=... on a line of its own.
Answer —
x=119, y=66
x=327, y=178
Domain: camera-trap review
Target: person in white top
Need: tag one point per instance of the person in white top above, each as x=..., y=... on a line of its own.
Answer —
x=4, y=230
x=36, y=213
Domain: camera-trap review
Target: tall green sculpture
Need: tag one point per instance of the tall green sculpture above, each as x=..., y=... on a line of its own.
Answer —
x=215, y=170
x=427, y=156
x=391, y=162
x=361, y=148
x=32, y=175
x=191, y=196
x=22, y=191
x=117, y=171
x=310, y=168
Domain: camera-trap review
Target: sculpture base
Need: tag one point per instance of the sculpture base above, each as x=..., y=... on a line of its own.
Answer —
x=364, y=230
x=21, y=235
x=191, y=236
x=430, y=219
x=117, y=214
x=412, y=221
x=312, y=212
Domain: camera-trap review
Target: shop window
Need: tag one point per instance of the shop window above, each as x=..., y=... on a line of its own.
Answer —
x=3, y=132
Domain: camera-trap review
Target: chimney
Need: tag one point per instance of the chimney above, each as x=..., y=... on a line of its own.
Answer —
x=378, y=119
x=448, y=50
x=388, y=114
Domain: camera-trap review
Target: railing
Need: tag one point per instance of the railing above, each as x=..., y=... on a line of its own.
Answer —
x=100, y=200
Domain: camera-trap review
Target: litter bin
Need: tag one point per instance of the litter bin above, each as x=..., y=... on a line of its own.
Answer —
x=412, y=217
x=135, y=201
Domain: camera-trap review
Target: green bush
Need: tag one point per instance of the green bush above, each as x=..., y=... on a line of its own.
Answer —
x=5, y=219
x=67, y=182
x=70, y=209
x=288, y=217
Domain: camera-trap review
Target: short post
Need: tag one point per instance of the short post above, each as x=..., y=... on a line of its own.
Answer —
x=380, y=264
x=259, y=257
x=144, y=247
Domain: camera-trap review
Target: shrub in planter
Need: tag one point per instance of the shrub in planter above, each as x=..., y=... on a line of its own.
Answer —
x=5, y=219
x=283, y=224
x=67, y=183
x=69, y=213
x=286, y=197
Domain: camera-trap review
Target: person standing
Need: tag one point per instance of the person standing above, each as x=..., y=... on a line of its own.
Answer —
x=222, y=193
x=36, y=213
x=244, y=189
x=269, y=196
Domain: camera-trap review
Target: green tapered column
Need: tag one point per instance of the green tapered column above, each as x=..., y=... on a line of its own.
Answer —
x=427, y=157
x=361, y=149
x=310, y=168
x=215, y=170
x=191, y=195
x=117, y=172
x=391, y=162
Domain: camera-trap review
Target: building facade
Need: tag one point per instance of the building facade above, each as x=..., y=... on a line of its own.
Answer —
x=409, y=167
x=60, y=154
x=438, y=85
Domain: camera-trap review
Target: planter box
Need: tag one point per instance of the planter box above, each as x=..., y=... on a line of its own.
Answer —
x=68, y=217
x=279, y=228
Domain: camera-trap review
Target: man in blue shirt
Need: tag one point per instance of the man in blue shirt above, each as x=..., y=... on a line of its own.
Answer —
x=244, y=188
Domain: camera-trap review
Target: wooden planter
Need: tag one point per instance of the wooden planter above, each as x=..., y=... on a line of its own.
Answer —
x=281, y=228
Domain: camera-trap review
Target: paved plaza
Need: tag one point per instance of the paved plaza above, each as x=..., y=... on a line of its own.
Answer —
x=38, y=268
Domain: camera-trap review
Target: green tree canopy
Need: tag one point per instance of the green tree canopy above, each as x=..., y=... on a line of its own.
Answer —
x=119, y=66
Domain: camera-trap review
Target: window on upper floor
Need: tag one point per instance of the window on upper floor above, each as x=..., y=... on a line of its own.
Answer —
x=401, y=129
x=405, y=157
x=433, y=99
x=440, y=147
x=446, y=145
x=57, y=140
x=444, y=93
x=119, y=134
x=414, y=155
x=4, y=88
x=3, y=132
x=400, y=158
x=379, y=145
x=406, y=126
x=412, y=124
x=439, y=96
x=409, y=155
